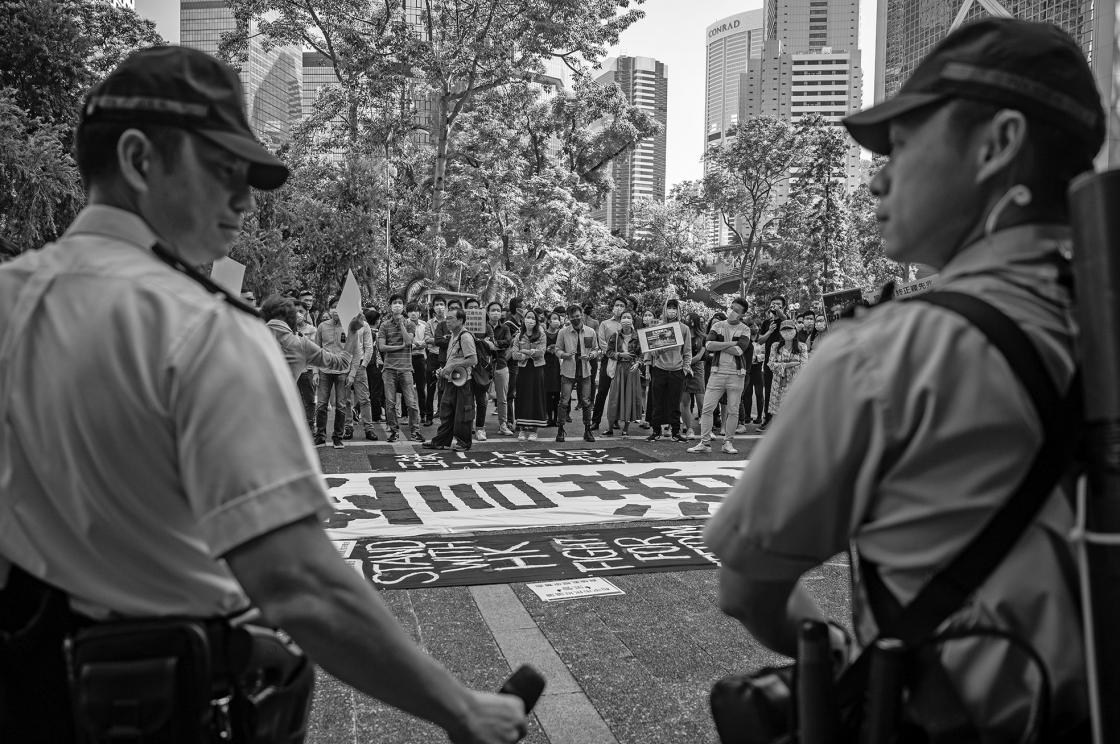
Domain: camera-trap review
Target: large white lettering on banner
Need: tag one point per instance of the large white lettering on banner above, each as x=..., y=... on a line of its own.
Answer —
x=450, y=501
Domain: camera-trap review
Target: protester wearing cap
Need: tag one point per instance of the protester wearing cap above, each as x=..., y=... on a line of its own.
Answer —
x=128, y=477
x=915, y=425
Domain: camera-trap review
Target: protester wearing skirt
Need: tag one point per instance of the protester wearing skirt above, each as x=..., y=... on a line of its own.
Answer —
x=551, y=370
x=529, y=356
x=624, y=402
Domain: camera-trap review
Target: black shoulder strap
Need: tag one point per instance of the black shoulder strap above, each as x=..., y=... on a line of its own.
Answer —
x=950, y=588
x=164, y=254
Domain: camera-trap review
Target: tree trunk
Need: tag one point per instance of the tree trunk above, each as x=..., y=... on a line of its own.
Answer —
x=439, y=170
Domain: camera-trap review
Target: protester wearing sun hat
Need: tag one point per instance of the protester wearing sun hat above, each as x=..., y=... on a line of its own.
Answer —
x=916, y=427
x=130, y=488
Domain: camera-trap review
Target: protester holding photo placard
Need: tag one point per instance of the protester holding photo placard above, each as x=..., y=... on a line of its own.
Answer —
x=668, y=368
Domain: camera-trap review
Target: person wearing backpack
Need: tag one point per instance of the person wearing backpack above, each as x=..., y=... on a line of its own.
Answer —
x=941, y=424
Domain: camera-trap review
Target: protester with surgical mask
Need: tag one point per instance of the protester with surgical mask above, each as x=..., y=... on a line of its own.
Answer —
x=820, y=327
x=529, y=358
x=787, y=357
x=331, y=336
x=729, y=344
x=624, y=401
x=668, y=369
x=394, y=341
x=648, y=319
x=551, y=370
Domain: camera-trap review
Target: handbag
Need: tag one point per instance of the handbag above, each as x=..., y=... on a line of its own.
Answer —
x=760, y=708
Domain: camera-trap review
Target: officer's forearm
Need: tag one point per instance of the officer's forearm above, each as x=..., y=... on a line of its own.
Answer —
x=770, y=610
x=343, y=625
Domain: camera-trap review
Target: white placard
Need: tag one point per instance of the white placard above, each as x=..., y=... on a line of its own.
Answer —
x=660, y=337
x=228, y=274
x=558, y=591
x=350, y=301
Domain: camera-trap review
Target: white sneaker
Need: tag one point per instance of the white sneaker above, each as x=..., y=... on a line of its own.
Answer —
x=689, y=434
x=728, y=448
x=480, y=435
x=522, y=435
x=700, y=448
x=532, y=436
x=741, y=429
x=505, y=431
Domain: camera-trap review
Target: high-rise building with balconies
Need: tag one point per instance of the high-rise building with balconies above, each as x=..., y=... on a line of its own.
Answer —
x=639, y=172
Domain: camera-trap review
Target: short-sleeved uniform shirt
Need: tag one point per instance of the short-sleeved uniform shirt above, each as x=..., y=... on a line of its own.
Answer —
x=125, y=469
x=920, y=431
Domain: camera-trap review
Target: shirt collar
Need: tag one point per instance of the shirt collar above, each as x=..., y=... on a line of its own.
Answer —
x=113, y=222
x=279, y=325
x=1011, y=249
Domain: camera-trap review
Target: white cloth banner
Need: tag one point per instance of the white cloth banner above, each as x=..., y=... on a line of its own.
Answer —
x=454, y=501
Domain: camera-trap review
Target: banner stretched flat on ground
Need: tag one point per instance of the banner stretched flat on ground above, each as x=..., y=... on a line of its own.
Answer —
x=479, y=459
x=435, y=561
x=456, y=501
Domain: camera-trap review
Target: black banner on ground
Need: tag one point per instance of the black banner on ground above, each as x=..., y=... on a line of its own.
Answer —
x=477, y=460
x=413, y=563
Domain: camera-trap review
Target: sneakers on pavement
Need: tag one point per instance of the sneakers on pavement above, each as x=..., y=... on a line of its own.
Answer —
x=689, y=434
x=522, y=435
x=532, y=436
x=728, y=448
x=588, y=436
x=371, y=435
x=456, y=447
x=434, y=446
x=320, y=440
x=480, y=435
x=700, y=448
x=654, y=437
x=741, y=429
x=416, y=436
x=505, y=431
x=394, y=435
x=336, y=442
x=560, y=434
x=676, y=437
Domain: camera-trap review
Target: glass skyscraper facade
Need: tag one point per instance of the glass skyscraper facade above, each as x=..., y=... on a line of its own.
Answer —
x=639, y=172
x=271, y=80
x=907, y=30
x=731, y=43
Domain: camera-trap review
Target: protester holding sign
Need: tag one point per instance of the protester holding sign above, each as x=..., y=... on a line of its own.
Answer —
x=669, y=366
x=624, y=369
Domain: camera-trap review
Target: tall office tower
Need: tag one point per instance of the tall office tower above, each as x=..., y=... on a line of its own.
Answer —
x=272, y=79
x=810, y=64
x=907, y=30
x=640, y=172
x=731, y=43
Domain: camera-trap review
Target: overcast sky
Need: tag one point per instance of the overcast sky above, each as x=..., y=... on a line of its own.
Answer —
x=672, y=32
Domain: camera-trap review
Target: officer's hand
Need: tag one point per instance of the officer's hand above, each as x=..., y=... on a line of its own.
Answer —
x=492, y=719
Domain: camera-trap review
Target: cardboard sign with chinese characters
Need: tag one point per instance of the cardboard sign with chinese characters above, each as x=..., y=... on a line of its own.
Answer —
x=476, y=321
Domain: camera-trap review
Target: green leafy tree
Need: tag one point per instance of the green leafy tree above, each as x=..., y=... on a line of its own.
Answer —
x=744, y=178
x=53, y=52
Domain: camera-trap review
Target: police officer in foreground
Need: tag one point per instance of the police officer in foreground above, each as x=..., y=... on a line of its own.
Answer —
x=127, y=484
x=934, y=431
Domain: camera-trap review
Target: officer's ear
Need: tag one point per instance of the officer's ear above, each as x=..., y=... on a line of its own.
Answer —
x=999, y=143
x=135, y=154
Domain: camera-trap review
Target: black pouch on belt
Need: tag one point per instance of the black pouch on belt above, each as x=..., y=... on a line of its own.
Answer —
x=273, y=680
x=144, y=681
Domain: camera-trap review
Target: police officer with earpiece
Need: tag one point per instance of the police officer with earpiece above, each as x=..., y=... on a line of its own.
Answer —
x=920, y=427
x=141, y=530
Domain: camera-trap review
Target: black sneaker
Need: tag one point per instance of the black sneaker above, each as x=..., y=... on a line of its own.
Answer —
x=320, y=440
x=336, y=442
x=434, y=446
x=416, y=436
x=348, y=433
x=371, y=435
x=677, y=437
x=654, y=437
x=394, y=435
x=588, y=436
x=560, y=435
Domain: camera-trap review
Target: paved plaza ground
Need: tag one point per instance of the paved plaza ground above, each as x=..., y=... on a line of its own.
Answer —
x=632, y=669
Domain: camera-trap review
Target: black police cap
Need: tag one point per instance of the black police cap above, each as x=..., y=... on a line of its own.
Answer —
x=1035, y=68
x=185, y=88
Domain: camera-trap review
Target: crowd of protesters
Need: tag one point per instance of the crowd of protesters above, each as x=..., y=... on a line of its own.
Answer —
x=535, y=368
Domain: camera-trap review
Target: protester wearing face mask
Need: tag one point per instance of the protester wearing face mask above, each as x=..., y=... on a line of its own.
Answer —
x=576, y=347
x=668, y=370
x=786, y=359
x=755, y=378
x=729, y=343
x=529, y=358
x=331, y=336
x=648, y=319
x=394, y=341
x=551, y=370
x=820, y=327
x=624, y=401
